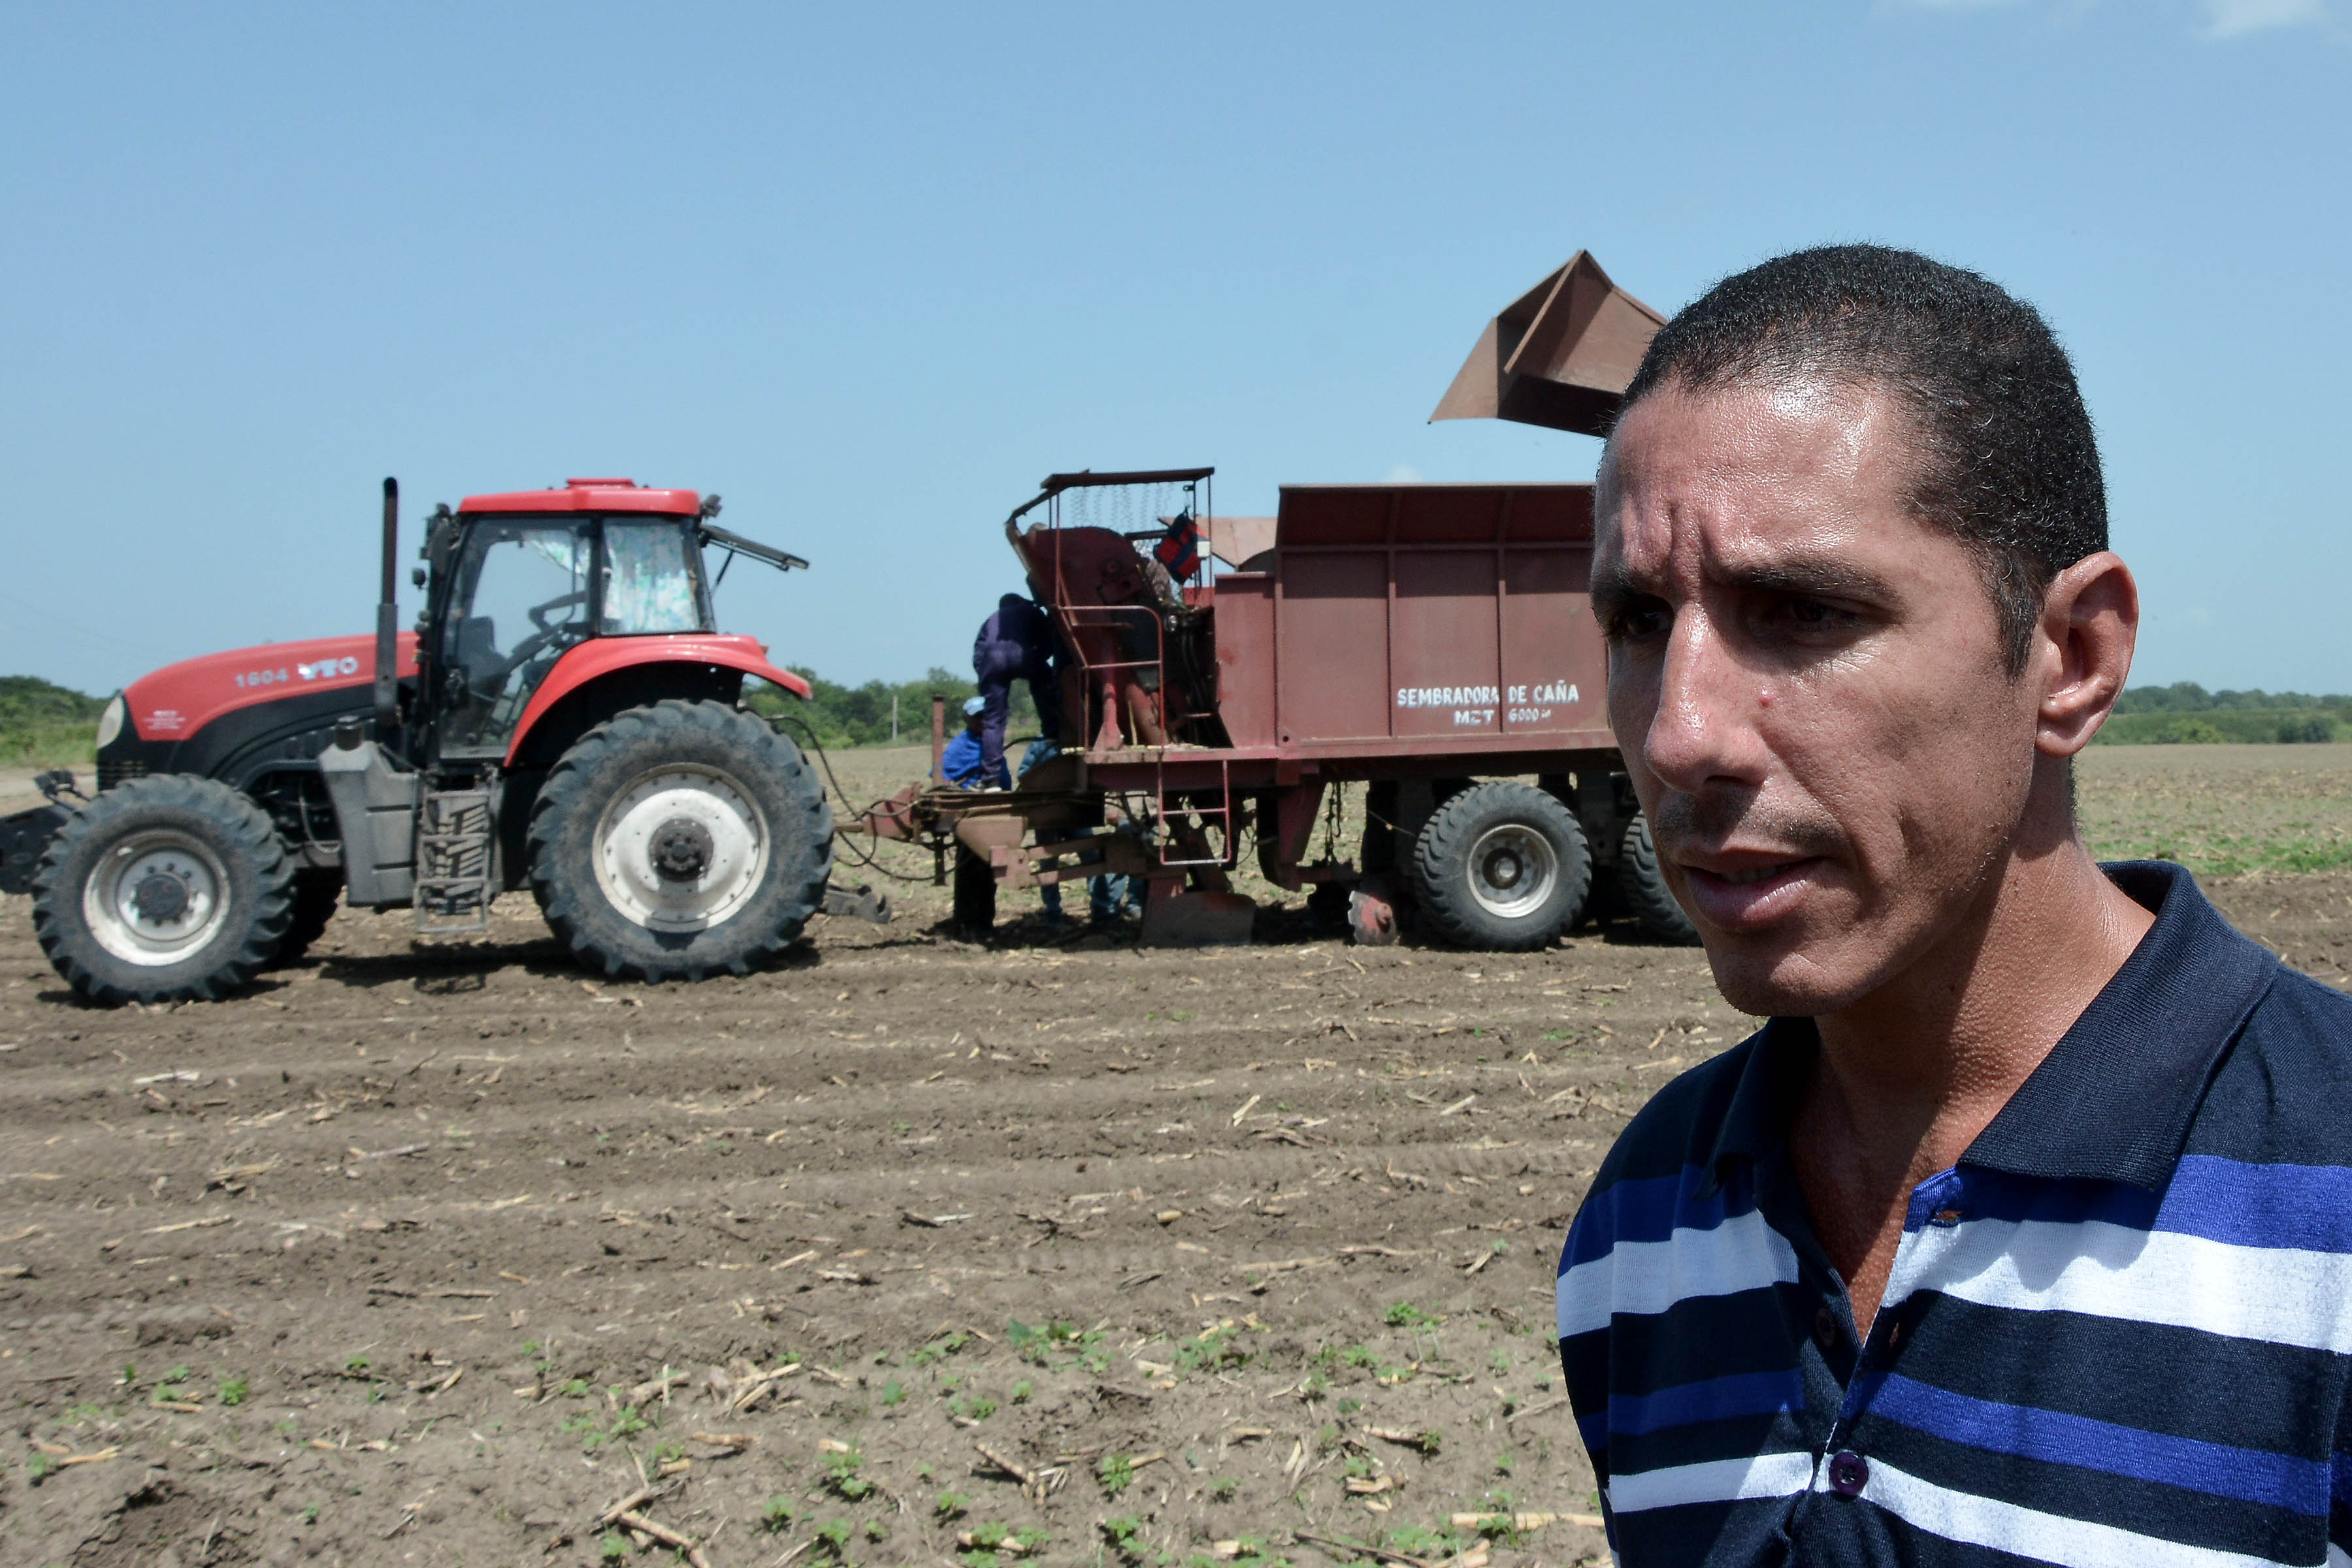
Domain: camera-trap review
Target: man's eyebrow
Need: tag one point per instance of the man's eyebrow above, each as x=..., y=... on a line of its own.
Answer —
x=1814, y=574
x=1612, y=588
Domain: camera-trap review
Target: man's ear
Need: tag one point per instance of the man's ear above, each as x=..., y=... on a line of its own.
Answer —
x=2090, y=625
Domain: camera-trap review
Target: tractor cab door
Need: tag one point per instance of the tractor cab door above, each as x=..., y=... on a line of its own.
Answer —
x=521, y=597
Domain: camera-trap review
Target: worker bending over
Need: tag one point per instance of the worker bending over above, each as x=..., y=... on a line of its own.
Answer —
x=1017, y=642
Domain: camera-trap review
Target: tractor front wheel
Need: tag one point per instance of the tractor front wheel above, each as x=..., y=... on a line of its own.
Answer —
x=167, y=888
x=680, y=839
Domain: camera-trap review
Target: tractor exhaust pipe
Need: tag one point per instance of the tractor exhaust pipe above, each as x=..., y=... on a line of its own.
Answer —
x=387, y=620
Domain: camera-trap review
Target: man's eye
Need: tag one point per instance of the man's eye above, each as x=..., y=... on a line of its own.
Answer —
x=1639, y=621
x=1812, y=618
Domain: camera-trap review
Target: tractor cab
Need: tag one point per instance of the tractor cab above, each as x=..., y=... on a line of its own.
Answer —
x=520, y=580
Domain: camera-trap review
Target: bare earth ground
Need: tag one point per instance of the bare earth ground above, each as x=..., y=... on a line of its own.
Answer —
x=387, y=1261
x=2221, y=809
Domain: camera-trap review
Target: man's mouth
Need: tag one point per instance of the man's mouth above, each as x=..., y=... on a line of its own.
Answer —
x=1748, y=892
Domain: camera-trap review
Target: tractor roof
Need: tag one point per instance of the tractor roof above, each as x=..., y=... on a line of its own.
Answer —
x=589, y=495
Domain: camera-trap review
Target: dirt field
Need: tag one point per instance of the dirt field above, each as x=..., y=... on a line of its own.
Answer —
x=435, y=1254
x=2221, y=809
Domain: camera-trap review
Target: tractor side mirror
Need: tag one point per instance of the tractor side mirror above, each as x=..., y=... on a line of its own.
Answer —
x=416, y=576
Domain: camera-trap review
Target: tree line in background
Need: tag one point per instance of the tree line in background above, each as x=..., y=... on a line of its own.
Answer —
x=43, y=724
x=2185, y=713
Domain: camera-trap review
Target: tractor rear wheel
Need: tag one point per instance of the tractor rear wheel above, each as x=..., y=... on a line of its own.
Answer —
x=1644, y=888
x=167, y=888
x=317, y=895
x=676, y=840
x=1502, y=866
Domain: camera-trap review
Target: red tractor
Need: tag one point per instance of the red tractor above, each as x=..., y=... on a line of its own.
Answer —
x=565, y=716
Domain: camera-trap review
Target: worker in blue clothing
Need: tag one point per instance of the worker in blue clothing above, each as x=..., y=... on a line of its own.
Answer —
x=1017, y=642
x=963, y=762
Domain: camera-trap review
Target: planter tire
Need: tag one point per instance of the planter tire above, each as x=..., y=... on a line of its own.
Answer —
x=1643, y=889
x=677, y=840
x=1502, y=867
x=167, y=888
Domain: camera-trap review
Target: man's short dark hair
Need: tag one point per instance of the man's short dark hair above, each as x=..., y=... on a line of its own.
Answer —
x=2009, y=465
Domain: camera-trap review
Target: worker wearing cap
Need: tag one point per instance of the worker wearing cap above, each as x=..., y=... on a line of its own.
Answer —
x=1017, y=642
x=963, y=764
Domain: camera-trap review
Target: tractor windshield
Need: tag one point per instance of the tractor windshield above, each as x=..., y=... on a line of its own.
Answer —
x=650, y=581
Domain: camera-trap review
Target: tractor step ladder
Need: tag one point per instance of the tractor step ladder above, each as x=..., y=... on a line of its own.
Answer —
x=453, y=863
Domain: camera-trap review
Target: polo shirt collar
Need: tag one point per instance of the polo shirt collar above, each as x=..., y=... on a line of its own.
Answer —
x=2113, y=1099
x=1764, y=1101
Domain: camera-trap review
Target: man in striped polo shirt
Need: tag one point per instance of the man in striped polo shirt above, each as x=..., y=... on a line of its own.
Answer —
x=2024, y=1230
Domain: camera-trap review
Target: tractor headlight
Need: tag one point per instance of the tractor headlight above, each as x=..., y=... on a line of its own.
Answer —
x=109, y=723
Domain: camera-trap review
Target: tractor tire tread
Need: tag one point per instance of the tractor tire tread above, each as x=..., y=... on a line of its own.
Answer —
x=1644, y=888
x=316, y=896
x=565, y=817
x=252, y=853
x=1440, y=854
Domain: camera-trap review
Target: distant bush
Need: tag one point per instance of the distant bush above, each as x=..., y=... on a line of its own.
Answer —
x=2309, y=728
x=2190, y=732
x=42, y=722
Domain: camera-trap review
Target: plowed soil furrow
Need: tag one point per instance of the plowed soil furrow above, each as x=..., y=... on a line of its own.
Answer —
x=432, y=1254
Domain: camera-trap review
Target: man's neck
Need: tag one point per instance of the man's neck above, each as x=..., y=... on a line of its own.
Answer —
x=1915, y=1071
x=1907, y=1079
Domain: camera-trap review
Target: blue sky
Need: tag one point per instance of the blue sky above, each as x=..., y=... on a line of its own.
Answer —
x=870, y=272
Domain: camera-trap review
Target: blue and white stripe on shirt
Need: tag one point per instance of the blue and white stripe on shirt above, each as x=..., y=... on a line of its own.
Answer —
x=2118, y=1332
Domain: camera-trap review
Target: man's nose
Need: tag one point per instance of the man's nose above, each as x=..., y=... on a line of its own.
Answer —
x=1700, y=734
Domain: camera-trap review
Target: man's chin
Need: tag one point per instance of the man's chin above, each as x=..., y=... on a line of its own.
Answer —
x=1786, y=978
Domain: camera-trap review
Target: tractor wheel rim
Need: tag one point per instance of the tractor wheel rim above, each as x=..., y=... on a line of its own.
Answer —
x=651, y=815
x=151, y=931
x=1513, y=871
